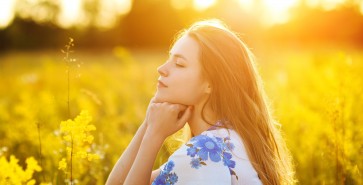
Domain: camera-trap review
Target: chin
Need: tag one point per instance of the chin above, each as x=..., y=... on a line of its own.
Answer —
x=161, y=98
x=169, y=99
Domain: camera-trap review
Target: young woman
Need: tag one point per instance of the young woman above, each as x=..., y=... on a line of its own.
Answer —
x=209, y=82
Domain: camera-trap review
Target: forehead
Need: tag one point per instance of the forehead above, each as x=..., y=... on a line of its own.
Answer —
x=187, y=47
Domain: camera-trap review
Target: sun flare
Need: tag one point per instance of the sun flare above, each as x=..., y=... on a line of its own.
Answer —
x=201, y=5
x=277, y=11
x=6, y=13
x=70, y=12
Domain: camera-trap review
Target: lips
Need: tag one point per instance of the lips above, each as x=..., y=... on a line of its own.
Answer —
x=161, y=84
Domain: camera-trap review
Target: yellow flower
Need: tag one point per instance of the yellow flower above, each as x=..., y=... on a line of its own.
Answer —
x=67, y=138
x=31, y=182
x=90, y=128
x=81, y=154
x=62, y=164
x=91, y=157
x=32, y=165
x=78, y=139
x=89, y=139
x=12, y=173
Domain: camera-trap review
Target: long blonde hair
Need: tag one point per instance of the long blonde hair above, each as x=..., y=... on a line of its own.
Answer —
x=238, y=96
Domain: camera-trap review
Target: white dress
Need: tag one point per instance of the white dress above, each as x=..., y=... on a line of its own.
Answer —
x=215, y=157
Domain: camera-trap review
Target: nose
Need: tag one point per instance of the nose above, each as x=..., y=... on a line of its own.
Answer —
x=163, y=70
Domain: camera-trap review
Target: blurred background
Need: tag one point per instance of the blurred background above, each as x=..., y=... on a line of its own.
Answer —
x=61, y=57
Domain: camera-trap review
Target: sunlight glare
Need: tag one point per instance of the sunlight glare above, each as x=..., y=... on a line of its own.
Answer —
x=70, y=13
x=325, y=4
x=110, y=11
x=201, y=5
x=6, y=13
x=246, y=5
x=278, y=11
x=179, y=4
x=123, y=6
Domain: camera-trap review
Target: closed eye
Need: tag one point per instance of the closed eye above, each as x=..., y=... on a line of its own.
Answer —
x=179, y=65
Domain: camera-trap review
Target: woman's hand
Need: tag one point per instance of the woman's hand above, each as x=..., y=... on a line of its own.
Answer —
x=164, y=119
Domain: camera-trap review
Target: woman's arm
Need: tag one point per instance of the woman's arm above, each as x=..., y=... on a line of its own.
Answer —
x=163, y=121
x=123, y=165
x=141, y=171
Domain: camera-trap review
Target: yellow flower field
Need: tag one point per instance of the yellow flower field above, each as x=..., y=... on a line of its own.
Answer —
x=316, y=95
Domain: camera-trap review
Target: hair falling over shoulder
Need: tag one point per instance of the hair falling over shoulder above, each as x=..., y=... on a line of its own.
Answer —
x=238, y=96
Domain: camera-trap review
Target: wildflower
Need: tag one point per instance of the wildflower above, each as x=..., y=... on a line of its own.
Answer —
x=91, y=157
x=12, y=173
x=62, y=164
x=78, y=139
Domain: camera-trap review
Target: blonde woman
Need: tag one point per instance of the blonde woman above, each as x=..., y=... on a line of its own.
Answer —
x=209, y=82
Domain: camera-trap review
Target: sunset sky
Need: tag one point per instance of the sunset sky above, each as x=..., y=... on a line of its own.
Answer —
x=71, y=12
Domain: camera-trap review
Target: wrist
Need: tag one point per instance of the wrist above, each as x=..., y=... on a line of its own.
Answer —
x=154, y=136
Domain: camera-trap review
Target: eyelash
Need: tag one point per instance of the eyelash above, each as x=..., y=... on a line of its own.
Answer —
x=178, y=65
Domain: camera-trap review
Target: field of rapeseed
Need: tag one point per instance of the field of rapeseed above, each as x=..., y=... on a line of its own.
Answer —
x=63, y=122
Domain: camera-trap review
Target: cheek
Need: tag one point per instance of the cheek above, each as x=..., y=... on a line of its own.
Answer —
x=190, y=92
x=185, y=89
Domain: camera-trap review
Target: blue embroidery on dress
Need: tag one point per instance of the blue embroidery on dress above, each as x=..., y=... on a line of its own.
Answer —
x=216, y=149
x=166, y=177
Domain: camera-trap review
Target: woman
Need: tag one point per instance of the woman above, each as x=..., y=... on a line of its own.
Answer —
x=210, y=83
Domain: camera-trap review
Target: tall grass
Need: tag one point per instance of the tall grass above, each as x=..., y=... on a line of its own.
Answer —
x=317, y=97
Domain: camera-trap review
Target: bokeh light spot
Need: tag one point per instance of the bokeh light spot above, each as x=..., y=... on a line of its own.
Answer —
x=6, y=12
x=201, y=5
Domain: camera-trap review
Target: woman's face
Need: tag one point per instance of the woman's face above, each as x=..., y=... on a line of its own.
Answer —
x=181, y=80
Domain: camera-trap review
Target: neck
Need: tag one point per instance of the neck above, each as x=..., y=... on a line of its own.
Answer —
x=196, y=123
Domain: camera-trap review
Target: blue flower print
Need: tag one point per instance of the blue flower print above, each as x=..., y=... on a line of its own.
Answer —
x=203, y=147
x=166, y=177
x=169, y=166
x=191, y=151
x=195, y=163
x=173, y=178
x=208, y=147
x=228, y=144
x=227, y=160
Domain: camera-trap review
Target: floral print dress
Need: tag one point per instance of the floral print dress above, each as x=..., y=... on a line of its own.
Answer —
x=215, y=157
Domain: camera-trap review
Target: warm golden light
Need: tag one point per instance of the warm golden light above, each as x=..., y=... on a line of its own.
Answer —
x=201, y=5
x=123, y=6
x=325, y=4
x=246, y=5
x=179, y=4
x=6, y=12
x=277, y=11
x=70, y=13
x=111, y=10
x=106, y=13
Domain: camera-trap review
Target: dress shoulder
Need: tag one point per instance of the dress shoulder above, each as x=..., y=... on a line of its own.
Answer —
x=214, y=157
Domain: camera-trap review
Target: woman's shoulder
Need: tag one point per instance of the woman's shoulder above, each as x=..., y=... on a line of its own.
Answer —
x=229, y=150
x=227, y=139
x=217, y=150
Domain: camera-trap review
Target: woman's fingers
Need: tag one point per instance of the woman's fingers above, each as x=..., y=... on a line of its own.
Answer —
x=167, y=118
